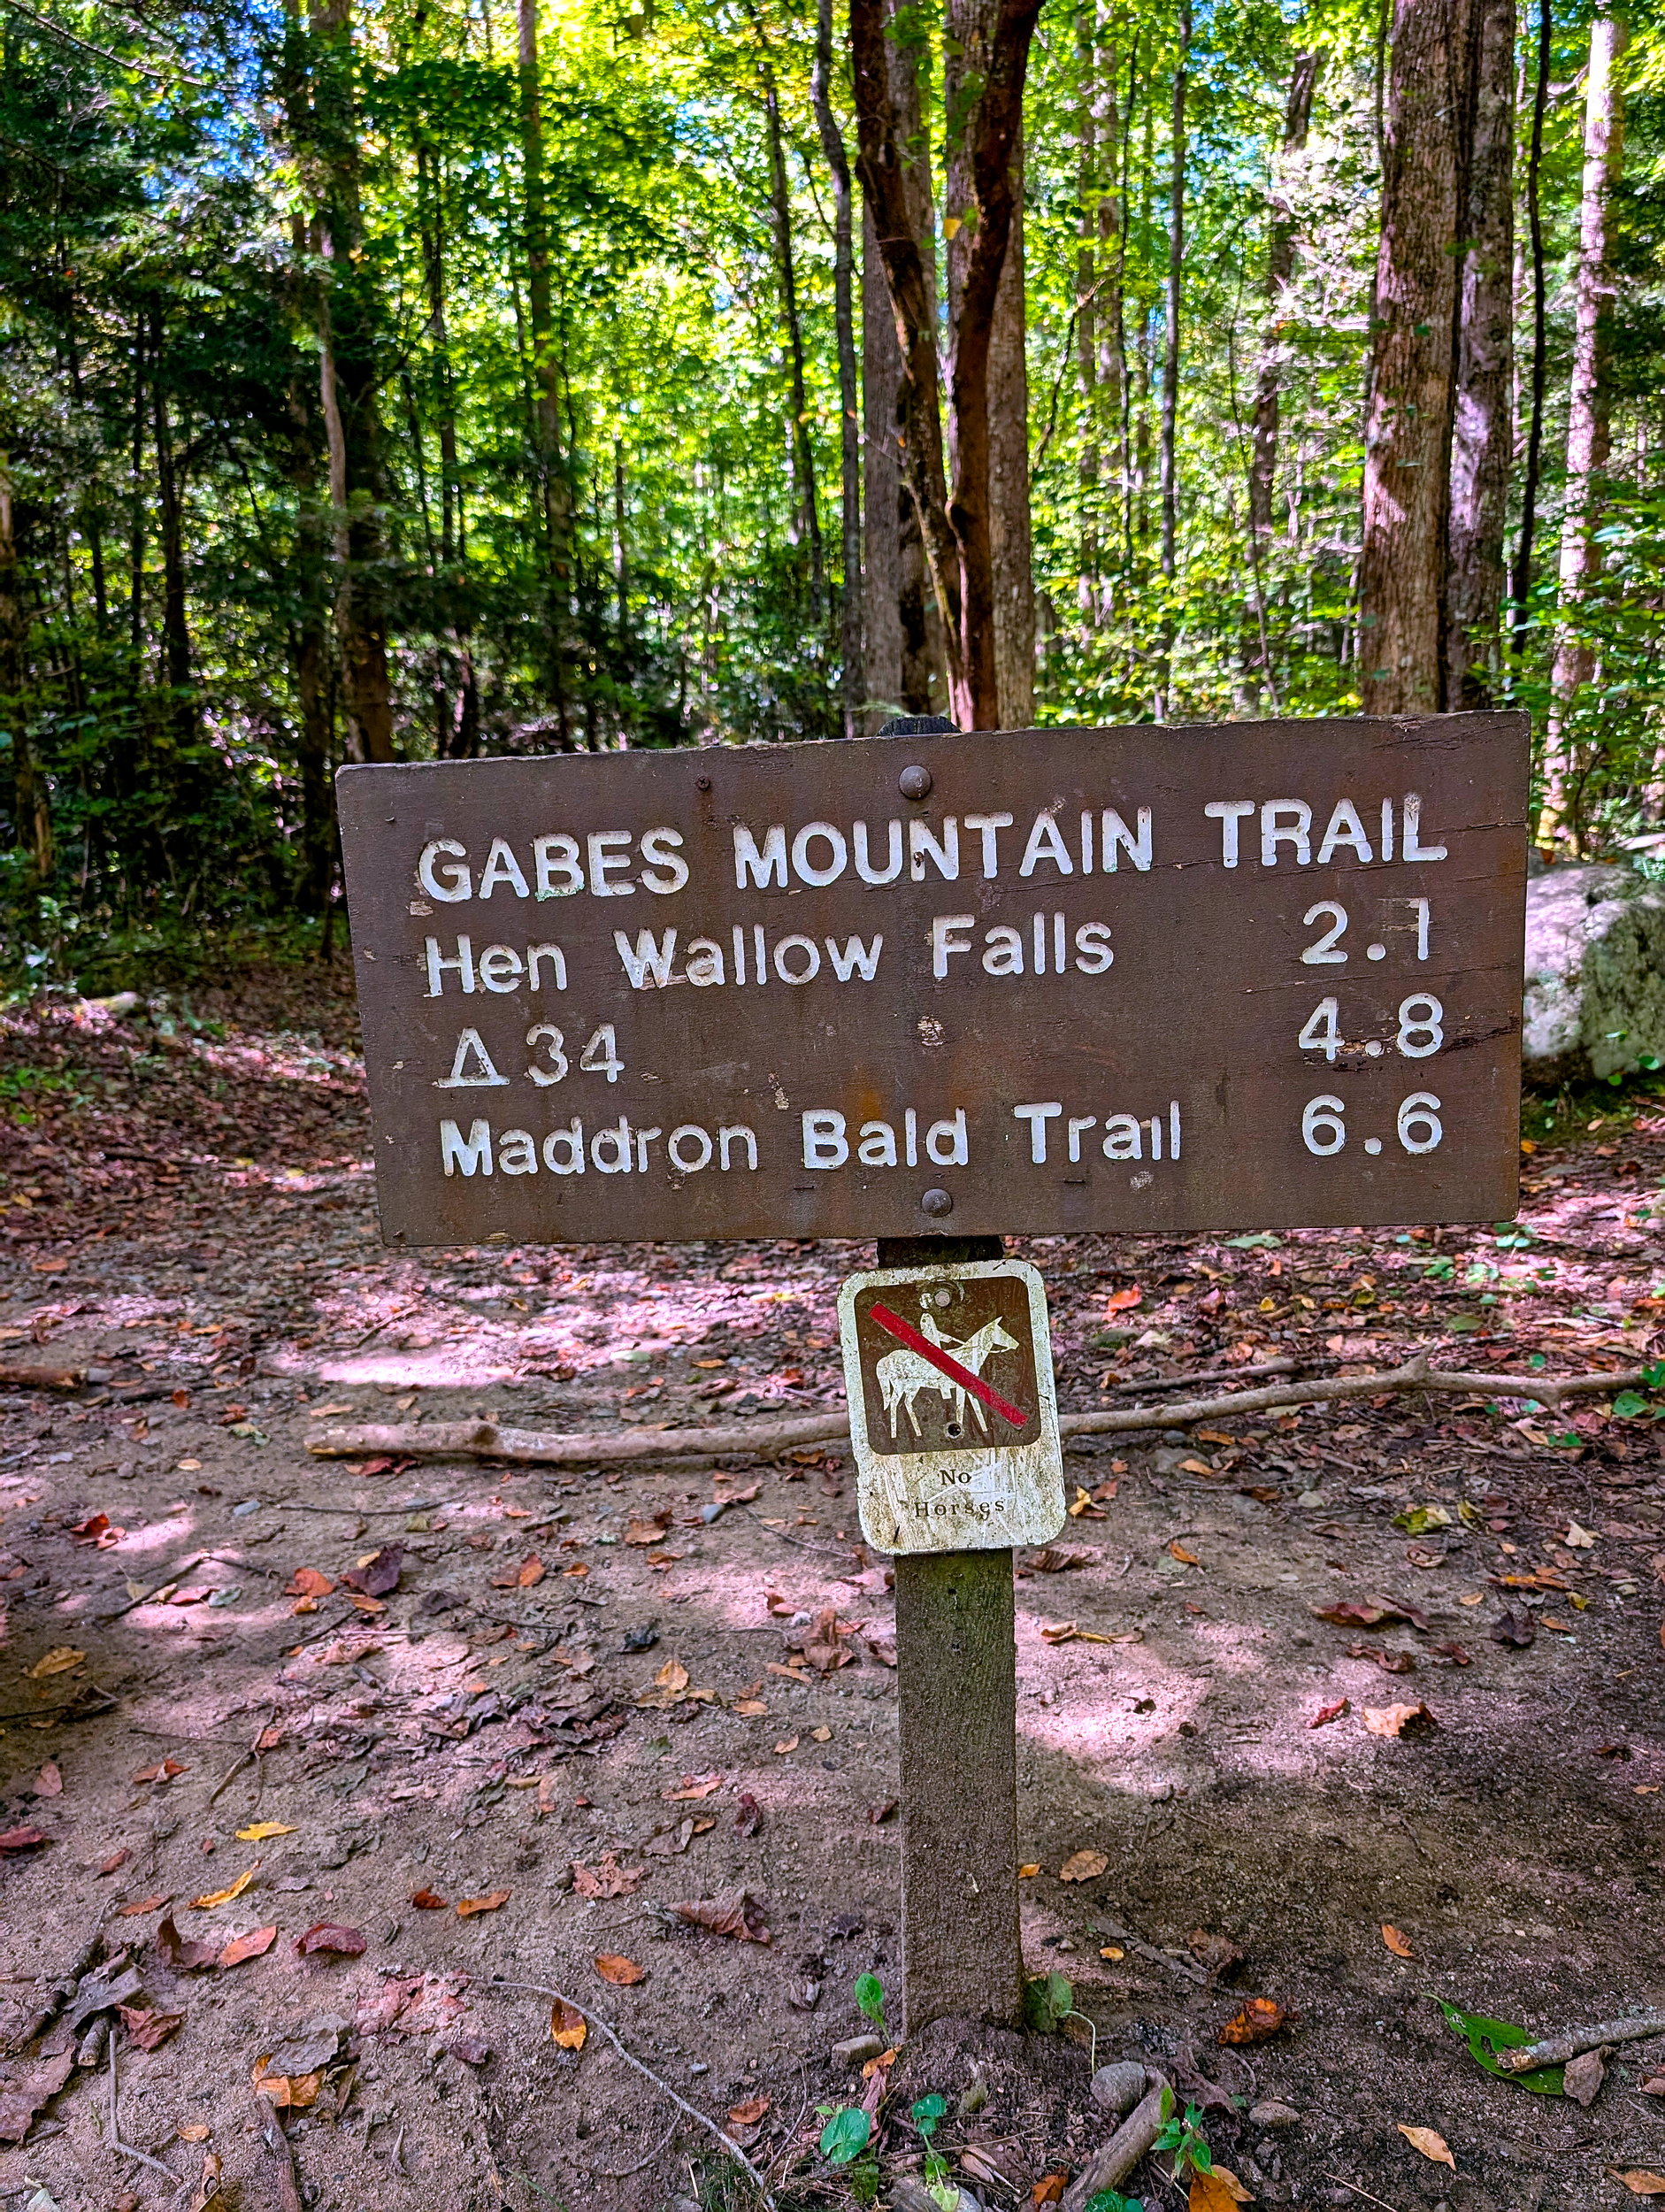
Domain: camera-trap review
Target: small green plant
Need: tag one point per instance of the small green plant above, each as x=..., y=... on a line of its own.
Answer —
x=1049, y=2001
x=870, y=1999
x=1183, y=2135
x=928, y=2116
x=1113, y=2200
x=844, y=2143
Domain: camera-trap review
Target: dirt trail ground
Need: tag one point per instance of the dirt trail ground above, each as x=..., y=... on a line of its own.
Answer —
x=591, y=1699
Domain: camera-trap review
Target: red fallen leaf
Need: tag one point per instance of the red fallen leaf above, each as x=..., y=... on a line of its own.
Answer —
x=694, y=1786
x=1389, y=1662
x=268, y=1739
x=98, y=1529
x=379, y=1573
x=1370, y=1613
x=1457, y=1653
x=23, y=1839
x=380, y=1466
x=879, y=1814
x=649, y=1531
x=1120, y=1301
x=749, y=1815
x=326, y=1936
x=254, y=1945
x=748, y=2115
x=622, y=1972
x=194, y=1595
x=428, y=1900
x=50, y=1781
x=139, y=1905
x=606, y=1878
x=1327, y=1713
x=740, y=1916
x=116, y=1860
x=163, y=1770
x=185, y=1954
x=20, y=2099
x=1256, y=2021
x=147, y=2028
x=473, y=2050
x=309, y=1582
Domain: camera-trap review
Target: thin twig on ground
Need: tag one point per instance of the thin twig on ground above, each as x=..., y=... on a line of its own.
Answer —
x=1556, y=2050
x=557, y=1996
x=622, y=2173
x=1225, y=1374
x=126, y=2150
x=1358, y=2191
x=1137, y=1944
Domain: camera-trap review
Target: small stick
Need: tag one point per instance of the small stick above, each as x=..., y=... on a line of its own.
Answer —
x=536, y=1989
x=289, y=2182
x=622, y=2173
x=127, y=2149
x=62, y=1990
x=1223, y=1374
x=1112, y=2163
x=1125, y=1937
x=1357, y=2191
x=1556, y=2050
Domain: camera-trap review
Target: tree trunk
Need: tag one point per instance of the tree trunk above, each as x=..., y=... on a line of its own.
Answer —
x=1587, y=425
x=1520, y=582
x=1010, y=548
x=349, y=369
x=1089, y=192
x=554, y=490
x=31, y=813
x=461, y=738
x=988, y=53
x=176, y=641
x=1174, y=299
x=1407, y=436
x=1481, y=437
x=855, y=680
x=807, y=518
x=1280, y=268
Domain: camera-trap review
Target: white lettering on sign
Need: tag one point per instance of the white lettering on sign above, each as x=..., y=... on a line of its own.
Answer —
x=619, y=1147
x=1285, y=829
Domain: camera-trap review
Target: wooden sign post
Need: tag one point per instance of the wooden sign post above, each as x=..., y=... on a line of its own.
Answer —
x=1153, y=980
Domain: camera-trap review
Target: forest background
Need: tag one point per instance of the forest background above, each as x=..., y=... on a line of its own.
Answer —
x=413, y=379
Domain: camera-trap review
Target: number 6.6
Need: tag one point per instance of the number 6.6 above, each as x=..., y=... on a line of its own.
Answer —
x=1323, y=1129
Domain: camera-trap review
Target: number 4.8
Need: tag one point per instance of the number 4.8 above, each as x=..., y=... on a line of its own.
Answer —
x=1421, y=1031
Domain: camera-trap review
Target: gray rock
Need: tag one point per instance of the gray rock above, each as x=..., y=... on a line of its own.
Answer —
x=855, y=2050
x=1119, y=2088
x=1595, y=970
x=1269, y=2114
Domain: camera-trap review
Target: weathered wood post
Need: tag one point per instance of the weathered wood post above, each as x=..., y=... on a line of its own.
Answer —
x=956, y=1686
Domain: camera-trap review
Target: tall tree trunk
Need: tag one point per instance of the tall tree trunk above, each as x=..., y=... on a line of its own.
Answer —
x=1280, y=269
x=855, y=681
x=1168, y=463
x=800, y=449
x=990, y=41
x=461, y=738
x=31, y=813
x=554, y=490
x=349, y=369
x=1010, y=548
x=1521, y=582
x=1588, y=438
x=1089, y=193
x=176, y=641
x=1481, y=437
x=1407, y=436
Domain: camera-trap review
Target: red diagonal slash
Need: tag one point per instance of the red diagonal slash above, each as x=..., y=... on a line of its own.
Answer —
x=897, y=1327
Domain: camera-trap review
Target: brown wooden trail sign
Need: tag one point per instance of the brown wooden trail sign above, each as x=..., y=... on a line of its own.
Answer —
x=1147, y=980
x=1157, y=979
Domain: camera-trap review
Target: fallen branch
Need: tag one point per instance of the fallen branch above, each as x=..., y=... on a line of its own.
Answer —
x=1112, y=2163
x=1556, y=2050
x=57, y=1996
x=486, y=1439
x=1221, y=1374
x=557, y=1996
x=1129, y=1941
x=13, y=1377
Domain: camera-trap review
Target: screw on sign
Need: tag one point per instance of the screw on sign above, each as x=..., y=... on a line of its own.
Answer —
x=1161, y=981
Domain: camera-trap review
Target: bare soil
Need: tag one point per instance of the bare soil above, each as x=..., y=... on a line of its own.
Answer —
x=590, y=1699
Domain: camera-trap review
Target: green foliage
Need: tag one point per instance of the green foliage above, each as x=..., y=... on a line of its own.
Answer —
x=1487, y=2038
x=1049, y=2001
x=870, y=1998
x=1182, y=2135
x=1113, y=2200
x=846, y=2135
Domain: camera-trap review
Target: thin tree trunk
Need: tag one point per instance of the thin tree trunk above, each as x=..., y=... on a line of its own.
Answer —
x=1010, y=548
x=1088, y=196
x=1520, y=582
x=461, y=738
x=799, y=447
x=1408, y=437
x=176, y=641
x=1480, y=430
x=1588, y=430
x=855, y=683
x=1280, y=269
x=554, y=490
x=1168, y=462
x=30, y=812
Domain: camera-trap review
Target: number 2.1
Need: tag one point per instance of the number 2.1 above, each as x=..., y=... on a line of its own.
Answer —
x=1325, y=949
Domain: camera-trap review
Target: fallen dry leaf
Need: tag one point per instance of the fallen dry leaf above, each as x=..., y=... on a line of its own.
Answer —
x=59, y=1660
x=1216, y=2191
x=568, y=2027
x=141, y=1904
x=148, y=2029
x=606, y=1878
x=260, y=1829
x=1120, y=1301
x=1048, y=2189
x=740, y=1916
x=622, y=1972
x=1584, y=2077
x=748, y=2115
x=1431, y=2143
x=429, y=1900
x=309, y=1582
x=1641, y=2181
x=378, y=1572
x=1655, y=2088
x=22, y=2096
x=1084, y=1866
x=1397, y=1720
x=163, y=1770
x=97, y=1529
x=467, y=1906
x=50, y=1781
x=1325, y=1714
x=289, y=2092
x=117, y=1860
x=1177, y=1550
x=208, y=2181
x=326, y=1936
x=787, y=1743
x=694, y=1786
x=22, y=1838
x=252, y=1945
x=185, y=1954
x=193, y=2132
x=1256, y=2021
x=649, y=1531
x=1370, y=1613
x=1398, y=1944
x=216, y=1897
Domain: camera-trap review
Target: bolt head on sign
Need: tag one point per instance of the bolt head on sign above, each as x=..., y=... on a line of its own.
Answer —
x=954, y=1417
